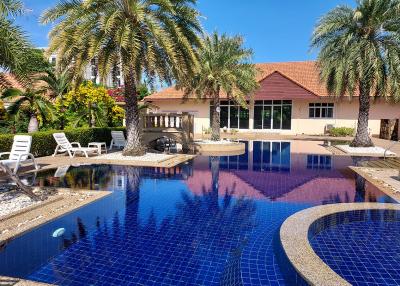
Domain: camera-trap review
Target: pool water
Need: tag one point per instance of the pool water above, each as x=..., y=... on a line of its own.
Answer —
x=211, y=221
x=362, y=246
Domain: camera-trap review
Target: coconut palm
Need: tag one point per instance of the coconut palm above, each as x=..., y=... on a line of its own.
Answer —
x=30, y=101
x=224, y=68
x=360, y=55
x=14, y=43
x=10, y=8
x=155, y=39
x=56, y=86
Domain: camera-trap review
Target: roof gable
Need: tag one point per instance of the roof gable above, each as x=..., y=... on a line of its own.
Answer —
x=277, y=85
x=304, y=75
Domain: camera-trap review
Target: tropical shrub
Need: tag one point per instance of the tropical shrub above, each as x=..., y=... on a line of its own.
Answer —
x=89, y=105
x=341, y=131
x=43, y=143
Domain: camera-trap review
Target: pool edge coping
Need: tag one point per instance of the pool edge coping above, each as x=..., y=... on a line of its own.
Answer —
x=297, y=247
x=36, y=216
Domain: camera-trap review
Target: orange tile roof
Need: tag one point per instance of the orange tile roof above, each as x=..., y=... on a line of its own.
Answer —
x=304, y=74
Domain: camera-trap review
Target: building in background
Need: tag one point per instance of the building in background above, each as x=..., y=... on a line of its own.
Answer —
x=291, y=100
x=91, y=72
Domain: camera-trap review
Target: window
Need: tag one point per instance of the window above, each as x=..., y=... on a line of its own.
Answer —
x=273, y=114
x=321, y=110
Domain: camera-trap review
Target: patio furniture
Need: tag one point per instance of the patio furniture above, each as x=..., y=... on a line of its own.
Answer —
x=61, y=171
x=99, y=145
x=63, y=145
x=118, y=139
x=20, y=153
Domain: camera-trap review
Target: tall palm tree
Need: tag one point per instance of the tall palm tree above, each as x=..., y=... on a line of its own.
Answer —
x=14, y=43
x=147, y=38
x=360, y=54
x=225, y=67
x=30, y=101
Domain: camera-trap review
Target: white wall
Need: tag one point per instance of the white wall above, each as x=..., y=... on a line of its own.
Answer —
x=345, y=114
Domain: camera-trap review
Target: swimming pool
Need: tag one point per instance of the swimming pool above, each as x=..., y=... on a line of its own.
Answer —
x=211, y=221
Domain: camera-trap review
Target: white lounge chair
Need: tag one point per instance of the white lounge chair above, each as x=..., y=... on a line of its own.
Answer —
x=63, y=145
x=20, y=153
x=118, y=139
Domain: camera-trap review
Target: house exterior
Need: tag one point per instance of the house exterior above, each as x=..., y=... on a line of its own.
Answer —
x=291, y=100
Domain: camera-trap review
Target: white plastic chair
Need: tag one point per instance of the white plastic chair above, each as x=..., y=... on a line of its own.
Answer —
x=63, y=145
x=20, y=153
x=118, y=139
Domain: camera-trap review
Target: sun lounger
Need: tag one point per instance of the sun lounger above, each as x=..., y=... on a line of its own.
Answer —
x=72, y=148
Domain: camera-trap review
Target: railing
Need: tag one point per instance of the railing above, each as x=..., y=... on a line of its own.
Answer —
x=390, y=147
x=163, y=120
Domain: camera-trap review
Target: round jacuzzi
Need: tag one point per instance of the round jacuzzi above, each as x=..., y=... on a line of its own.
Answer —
x=345, y=244
x=362, y=246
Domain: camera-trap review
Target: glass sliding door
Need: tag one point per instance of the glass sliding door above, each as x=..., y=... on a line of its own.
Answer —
x=267, y=115
x=258, y=117
x=244, y=116
x=286, y=117
x=276, y=115
x=224, y=116
x=234, y=117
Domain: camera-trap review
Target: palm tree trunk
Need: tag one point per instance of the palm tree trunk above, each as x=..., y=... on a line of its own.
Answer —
x=20, y=186
x=215, y=125
x=33, y=125
x=362, y=138
x=215, y=161
x=133, y=145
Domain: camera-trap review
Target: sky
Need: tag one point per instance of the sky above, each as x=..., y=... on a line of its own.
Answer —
x=276, y=30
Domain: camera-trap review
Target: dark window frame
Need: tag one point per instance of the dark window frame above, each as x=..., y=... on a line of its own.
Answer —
x=321, y=110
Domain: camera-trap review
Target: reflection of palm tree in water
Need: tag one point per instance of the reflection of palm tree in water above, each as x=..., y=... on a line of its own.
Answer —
x=201, y=234
x=215, y=162
x=88, y=177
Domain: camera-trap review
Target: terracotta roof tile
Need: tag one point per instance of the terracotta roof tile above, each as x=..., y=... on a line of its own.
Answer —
x=305, y=74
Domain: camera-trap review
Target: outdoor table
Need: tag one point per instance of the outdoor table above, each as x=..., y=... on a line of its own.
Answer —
x=99, y=145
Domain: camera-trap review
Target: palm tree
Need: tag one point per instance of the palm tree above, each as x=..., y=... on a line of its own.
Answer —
x=56, y=86
x=224, y=68
x=30, y=101
x=14, y=43
x=155, y=39
x=360, y=54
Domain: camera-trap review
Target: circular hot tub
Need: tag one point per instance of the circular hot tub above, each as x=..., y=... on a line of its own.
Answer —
x=362, y=246
x=345, y=244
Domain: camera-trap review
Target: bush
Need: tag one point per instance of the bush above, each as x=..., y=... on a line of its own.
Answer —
x=341, y=131
x=43, y=143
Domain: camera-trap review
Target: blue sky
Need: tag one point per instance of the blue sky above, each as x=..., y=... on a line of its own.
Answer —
x=276, y=30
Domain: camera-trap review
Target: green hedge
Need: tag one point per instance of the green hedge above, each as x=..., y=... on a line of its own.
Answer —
x=341, y=131
x=43, y=143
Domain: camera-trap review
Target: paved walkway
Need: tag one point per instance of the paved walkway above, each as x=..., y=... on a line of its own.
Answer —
x=273, y=136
